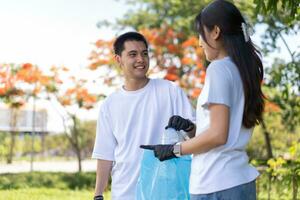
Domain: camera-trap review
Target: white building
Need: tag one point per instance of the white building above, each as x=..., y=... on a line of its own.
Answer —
x=24, y=120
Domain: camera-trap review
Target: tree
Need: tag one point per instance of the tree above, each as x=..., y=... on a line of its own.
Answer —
x=33, y=82
x=276, y=7
x=282, y=17
x=173, y=56
x=178, y=14
x=157, y=16
x=72, y=96
x=19, y=82
x=12, y=95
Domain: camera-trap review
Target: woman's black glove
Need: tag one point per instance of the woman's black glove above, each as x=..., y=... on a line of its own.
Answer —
x=179, y=123
x=98, y=197
x=161, y=151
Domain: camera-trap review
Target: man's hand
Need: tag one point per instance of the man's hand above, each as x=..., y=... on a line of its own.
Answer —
x=161, y=151
x=98, y=197
x=179, y=123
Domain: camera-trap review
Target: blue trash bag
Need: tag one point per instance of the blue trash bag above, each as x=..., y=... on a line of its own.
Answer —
x=167, y=180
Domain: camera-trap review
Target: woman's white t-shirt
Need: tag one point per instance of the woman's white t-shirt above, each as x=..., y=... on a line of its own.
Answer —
x=225, y=166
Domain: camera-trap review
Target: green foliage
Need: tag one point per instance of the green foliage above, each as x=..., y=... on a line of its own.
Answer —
x=87, y=131
x=272, y=189
x=277, y=7
x=285, y=78
x=24, y=144
x=60, y=187
x=280, y=16
x=281, y=138
x=286, y=169
x=43, y=185
x=57, y=145
x=48, y=194
x=176, y=13
x=4, y=145
x=153, y=14
x=49, y=180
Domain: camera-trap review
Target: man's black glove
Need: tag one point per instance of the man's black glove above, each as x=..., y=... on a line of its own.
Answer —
x=179, y=123
x=161, y=151
x=98, y=197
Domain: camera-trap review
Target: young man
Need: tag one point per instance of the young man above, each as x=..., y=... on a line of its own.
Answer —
x=135, y=114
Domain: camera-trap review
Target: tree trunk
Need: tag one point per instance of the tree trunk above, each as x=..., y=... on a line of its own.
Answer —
x=13, y=133
x=75, y=135
x=267, y=140
x=294, y=185
x=11, y=147
x=78, y=154
x=32, y=136
x=43, y=138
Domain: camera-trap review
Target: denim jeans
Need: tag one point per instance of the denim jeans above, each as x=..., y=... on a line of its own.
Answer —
x=245, y=191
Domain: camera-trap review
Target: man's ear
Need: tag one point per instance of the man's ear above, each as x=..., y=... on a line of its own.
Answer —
x=216, y=33
x=118, y=59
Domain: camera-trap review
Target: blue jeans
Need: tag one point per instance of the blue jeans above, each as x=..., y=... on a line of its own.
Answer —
x=245, y=191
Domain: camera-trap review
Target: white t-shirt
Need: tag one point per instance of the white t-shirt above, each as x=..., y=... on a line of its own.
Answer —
x=128, y=119
x=225, y=166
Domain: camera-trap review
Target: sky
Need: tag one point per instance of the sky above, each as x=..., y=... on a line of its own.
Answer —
x=62, y=32
x=53, y=32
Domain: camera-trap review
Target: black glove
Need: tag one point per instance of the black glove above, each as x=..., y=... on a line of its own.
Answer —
x=98, y=197
x=179, y=123
x=161, y=151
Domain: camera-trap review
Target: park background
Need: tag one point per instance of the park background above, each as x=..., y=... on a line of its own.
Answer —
x=56, y=58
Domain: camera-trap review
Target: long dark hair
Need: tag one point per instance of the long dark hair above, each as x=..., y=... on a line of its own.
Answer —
x=244, y=54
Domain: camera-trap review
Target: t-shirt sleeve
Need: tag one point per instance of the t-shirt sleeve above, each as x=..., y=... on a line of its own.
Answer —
x=217, y=88
x=183, y=106
x=105, y=141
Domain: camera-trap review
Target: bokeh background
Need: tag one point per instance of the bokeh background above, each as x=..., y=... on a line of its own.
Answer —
x=56, y=67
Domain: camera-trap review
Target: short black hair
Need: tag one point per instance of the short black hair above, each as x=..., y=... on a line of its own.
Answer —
x=129, y=36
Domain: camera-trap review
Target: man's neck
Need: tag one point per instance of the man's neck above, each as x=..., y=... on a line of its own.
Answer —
x=135, y=84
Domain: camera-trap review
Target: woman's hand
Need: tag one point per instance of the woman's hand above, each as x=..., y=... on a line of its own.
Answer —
x=179, y=123
x=161, y=151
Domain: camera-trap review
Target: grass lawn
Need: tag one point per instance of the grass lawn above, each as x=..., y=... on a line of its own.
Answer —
x=47, y=194
x=68, y=194
x=79, y=186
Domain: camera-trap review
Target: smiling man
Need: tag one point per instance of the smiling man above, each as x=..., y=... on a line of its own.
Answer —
x=135, y=114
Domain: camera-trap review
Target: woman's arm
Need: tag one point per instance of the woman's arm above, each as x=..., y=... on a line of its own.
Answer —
x=216, y=135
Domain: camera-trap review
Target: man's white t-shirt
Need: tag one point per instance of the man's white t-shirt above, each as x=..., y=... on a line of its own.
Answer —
x=128, y=119
x=225, y=166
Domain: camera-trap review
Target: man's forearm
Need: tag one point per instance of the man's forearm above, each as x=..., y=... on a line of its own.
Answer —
x=103, y=173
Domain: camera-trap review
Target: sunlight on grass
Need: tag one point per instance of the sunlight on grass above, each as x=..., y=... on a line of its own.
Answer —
x=47, y=194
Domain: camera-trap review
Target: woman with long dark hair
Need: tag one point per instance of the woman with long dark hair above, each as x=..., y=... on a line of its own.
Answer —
x=230, y=105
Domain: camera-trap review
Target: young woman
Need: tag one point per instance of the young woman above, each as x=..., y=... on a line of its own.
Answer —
x=230, y=105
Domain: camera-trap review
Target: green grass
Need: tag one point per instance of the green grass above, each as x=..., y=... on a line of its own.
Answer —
x=80, y=186
x=47, y=194
x=57, y=180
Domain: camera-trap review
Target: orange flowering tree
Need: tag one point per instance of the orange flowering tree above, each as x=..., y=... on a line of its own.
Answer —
x=34, y=82
x=173, y=56
x=12, y=95
x=19, y=82
x=10, y=91
x=73, y=96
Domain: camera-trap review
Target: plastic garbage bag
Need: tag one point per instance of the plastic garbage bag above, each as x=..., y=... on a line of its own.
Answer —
x=167, y=180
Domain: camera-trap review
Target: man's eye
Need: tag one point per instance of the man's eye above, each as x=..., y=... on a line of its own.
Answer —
x=145, y=53
x=132, y=54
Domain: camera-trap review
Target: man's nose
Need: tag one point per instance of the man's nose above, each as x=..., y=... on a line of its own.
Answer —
x=140, y=58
